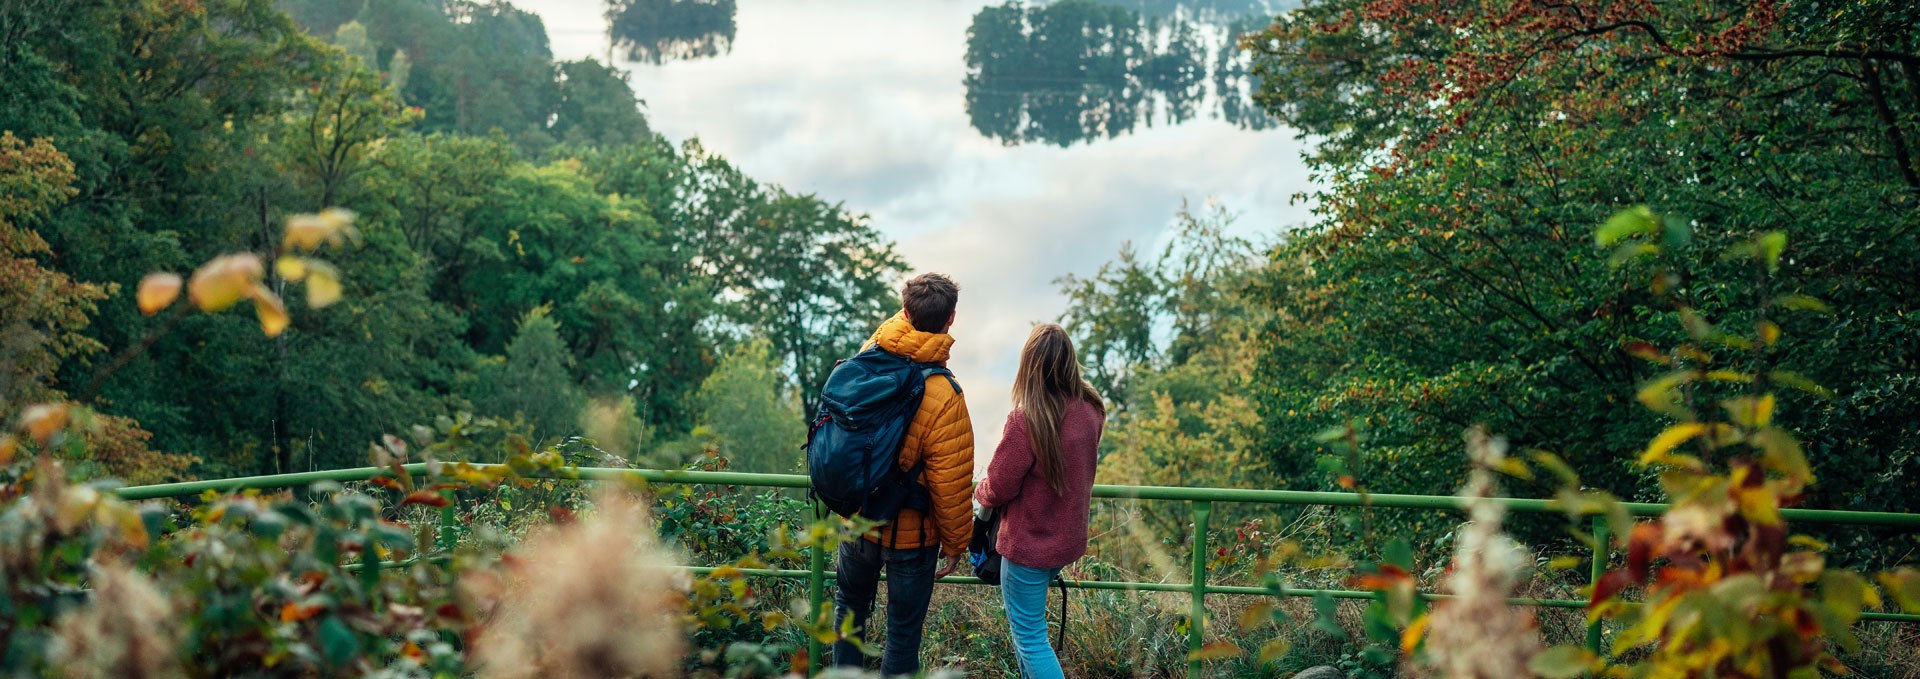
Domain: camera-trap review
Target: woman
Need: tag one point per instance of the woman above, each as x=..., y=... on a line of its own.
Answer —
x=1041, y=478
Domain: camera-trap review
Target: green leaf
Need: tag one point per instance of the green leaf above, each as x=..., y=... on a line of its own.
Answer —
x=1400, y=553
x=1558, y=467
x=1632, y=221
x=338, y=642
x=1331, y=434
x=1561, y=662
x=1677, y=231
x=1326, y=616
x=1802, y=303
x=1631, y=251
x=269, y=525
x=1798, y=381
x=1772, y=245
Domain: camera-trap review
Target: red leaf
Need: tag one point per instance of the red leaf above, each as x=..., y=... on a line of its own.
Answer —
x=426, y=497
x=561, y=515
x=1640, y=546
x=1389, y=576
x=1609, y=585
x=297, y=612
x=1648, y=352
x=386, y=482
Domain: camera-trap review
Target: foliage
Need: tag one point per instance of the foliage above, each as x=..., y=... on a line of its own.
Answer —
x=597, y=107
x=436, y=125
x=1172, y=343
x=757, y=420
x=46, y=312
x=383, y=579
x=533, y=381
x=1447, y=283
x=1727, y=590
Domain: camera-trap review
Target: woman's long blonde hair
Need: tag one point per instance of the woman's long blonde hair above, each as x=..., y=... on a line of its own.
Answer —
x=1049, y=382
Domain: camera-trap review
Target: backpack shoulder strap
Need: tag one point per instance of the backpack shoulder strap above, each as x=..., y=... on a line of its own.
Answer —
x=928, y=370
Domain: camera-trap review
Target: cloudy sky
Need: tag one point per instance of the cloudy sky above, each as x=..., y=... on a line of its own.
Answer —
x=862, y=101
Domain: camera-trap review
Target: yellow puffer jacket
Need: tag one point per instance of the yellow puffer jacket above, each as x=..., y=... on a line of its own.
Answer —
x=943, y=435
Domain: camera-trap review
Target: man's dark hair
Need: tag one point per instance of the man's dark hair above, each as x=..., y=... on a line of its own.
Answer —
x=929, y=299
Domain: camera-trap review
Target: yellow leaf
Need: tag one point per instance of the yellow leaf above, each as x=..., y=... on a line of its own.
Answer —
x=1410, y=639
x=1274, y=650
x=1904, y=586
x=1729, y=376
x=157, y=291
x=225, y=280
x=1658, y=394
x=323, y=284
x=290, y=267
x=772, y=619
x=1561, y=563
x=1514, y=467
x=308, y=232
x=272, y=312
x=1674, y=436
x=1218, y=650
x=1806, y=542
x=1769, y=332
x=1255, y=615
x=1751, y=411
x=1759, y=505
x=42, y=421
x=9, y=446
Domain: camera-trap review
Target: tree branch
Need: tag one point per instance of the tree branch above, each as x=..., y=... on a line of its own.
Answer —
x=1877, y=92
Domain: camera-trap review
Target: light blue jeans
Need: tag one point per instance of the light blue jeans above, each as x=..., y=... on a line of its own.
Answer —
x=1024, y=590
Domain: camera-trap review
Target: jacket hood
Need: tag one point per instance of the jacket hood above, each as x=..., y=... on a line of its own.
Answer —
x=899, y=337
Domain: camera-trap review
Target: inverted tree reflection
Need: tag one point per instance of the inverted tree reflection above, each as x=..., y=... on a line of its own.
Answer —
x=658, y=31
x=1079, y=70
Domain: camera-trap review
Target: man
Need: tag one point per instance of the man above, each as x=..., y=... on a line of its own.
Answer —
x=907, y=548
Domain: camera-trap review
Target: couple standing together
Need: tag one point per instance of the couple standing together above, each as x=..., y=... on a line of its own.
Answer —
x=1040, y=479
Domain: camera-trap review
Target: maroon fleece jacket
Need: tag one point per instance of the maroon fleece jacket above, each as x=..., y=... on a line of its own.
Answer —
x=1039, y=528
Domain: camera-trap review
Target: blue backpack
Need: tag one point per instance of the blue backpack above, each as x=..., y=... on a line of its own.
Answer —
x=853, y=444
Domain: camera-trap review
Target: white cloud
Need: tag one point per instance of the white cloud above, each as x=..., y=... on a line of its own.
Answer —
x=863, y=101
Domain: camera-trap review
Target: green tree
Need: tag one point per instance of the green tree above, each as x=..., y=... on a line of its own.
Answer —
x=597, y=106
x=1172, y=343
x=815, y=279
x=751, y=410
x=534, y=380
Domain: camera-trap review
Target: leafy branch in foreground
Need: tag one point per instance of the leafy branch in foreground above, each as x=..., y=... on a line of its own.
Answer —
x=1726, y=590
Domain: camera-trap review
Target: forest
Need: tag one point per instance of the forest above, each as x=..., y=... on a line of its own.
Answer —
x=1579, y=227
x=526, y=246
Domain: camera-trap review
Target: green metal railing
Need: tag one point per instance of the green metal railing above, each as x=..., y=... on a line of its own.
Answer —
x=1200, y=501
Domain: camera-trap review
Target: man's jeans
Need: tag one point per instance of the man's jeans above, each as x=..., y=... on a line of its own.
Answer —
x=909, y=589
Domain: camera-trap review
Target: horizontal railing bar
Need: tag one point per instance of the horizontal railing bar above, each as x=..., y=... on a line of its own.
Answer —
x=796, y=574
x=1246, y=495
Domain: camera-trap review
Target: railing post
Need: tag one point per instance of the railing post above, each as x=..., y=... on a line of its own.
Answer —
x=1196, y=620
x=1600, y=554
x=449, y=532
x=816, y=593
